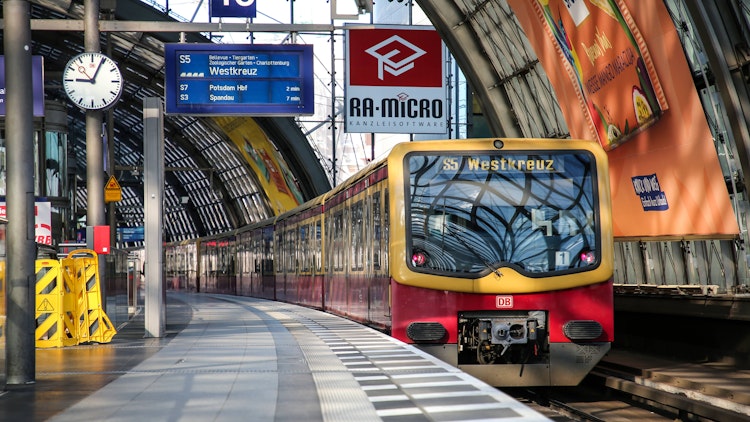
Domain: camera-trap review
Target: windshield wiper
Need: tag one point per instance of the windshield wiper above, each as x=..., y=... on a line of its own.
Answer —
x=473, y=251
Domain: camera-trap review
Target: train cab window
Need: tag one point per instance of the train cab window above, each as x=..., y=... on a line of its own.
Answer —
x=475, y=213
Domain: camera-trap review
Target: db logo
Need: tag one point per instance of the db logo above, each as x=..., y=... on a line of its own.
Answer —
x=503, y=301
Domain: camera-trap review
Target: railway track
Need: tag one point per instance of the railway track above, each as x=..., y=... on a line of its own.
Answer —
x=613, y=392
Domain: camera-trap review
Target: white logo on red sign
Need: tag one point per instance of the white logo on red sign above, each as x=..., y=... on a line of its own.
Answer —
x=395, y=58
x=503, y=301
x=386, y=50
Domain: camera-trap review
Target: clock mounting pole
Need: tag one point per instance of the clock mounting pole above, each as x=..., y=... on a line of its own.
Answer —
x=94, y=148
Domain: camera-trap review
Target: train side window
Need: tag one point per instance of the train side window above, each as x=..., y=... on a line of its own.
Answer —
x=338, y=233
x=356, y=237
x=289, y=250
x=278, y=250
x=304, y=248
x=367, y=234
x=268, y=253
x=318, y=247
x=386, y=229
x=376, y=231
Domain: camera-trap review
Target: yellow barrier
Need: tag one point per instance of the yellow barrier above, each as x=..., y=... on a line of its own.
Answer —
x=68, y=302
x=54, y=327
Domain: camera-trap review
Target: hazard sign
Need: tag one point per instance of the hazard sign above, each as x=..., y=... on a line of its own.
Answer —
x=46, y=306
x=112, y=190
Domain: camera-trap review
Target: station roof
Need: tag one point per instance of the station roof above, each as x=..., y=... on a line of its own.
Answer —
x=210, y=185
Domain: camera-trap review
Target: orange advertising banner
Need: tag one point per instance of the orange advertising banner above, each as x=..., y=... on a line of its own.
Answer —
x=608, y=62
x=620, y=76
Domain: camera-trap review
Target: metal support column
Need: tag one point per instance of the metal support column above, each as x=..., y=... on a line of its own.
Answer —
x=19, y=128
x=722, y=57
x=94, y=147
x=153, y=203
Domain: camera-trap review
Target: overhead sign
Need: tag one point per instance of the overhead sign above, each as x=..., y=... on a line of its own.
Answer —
x=112, y=190
x=37, y=85
x=395, y=80
x=232, y=9
x=131, y=234
x=239, y=79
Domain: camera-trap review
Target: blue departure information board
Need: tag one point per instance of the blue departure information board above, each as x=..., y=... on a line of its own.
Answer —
x=232, y=79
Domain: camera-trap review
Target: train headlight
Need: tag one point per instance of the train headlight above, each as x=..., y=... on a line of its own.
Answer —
x=588, y=257
x=426, y=332
x=418, y=258
x=582, y=330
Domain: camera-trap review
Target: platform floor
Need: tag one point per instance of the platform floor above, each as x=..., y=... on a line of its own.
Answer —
x=229, y=358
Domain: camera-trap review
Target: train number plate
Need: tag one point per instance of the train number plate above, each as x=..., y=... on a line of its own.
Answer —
x=504, y=301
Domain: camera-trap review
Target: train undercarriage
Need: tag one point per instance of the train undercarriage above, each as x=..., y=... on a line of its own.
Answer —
x=515, y=337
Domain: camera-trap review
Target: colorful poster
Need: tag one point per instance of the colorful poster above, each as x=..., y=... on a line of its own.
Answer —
x=666, y=179
x=274, y=175
x=395, y=80
x=604, y=53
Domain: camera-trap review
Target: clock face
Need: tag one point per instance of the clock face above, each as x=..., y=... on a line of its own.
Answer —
x=92, y=81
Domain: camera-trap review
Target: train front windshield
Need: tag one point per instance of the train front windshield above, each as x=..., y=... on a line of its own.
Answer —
x=473, y=213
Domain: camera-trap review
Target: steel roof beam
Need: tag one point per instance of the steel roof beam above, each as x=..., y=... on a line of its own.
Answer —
x=76, y=25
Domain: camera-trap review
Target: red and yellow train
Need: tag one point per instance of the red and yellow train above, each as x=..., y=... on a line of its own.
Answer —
x=495, y=255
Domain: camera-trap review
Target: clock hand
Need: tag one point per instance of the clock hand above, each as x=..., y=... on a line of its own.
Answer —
x=96, y=72
x=82, y=69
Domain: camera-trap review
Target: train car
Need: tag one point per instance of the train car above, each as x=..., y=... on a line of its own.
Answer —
x=501, y=256
x=495, y=255
x=298, y=248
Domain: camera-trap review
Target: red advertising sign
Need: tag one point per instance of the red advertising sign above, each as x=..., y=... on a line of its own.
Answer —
x=400, y=58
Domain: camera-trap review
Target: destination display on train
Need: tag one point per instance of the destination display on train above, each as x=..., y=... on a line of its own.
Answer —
x=239, y=79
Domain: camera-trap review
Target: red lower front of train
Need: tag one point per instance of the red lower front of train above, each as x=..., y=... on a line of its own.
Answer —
x=547, y=338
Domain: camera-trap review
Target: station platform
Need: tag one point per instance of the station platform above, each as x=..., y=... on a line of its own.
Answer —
x=228, y=358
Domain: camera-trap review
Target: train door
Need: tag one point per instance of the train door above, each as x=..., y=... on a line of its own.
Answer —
x=335, y=283
x=278, y=257
x=374, y=238
x=357, y=296
x=267, y=263
x=254, y=263
x=241, y=264
x=317, y=264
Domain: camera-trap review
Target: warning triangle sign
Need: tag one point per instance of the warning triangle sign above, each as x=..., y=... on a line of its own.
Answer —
x=112, y=191
x=45, y=306
x=112, y=184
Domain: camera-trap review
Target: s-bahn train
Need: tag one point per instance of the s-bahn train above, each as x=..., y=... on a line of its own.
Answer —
x=495, y=255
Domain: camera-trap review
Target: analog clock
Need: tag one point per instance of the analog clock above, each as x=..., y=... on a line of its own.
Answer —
x=92, y=81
